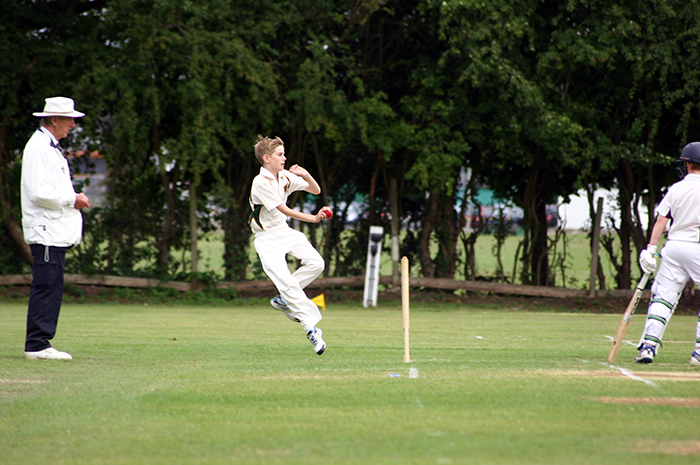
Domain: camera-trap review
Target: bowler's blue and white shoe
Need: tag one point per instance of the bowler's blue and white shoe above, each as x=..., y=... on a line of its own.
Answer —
x=646, y=355
x=278, y=303
x=695, y=358
x=316, y=338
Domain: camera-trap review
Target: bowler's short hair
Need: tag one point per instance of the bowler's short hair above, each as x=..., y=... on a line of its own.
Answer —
x=266, y=145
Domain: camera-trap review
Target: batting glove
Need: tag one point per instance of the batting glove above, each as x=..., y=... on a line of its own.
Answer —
x=647, y=259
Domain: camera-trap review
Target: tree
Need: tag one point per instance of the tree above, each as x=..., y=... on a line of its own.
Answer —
x=39, y=46
x=621, y=70
x=528, y=146
x=172, y=78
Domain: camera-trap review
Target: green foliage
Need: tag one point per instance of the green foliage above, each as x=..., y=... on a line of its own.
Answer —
x=534, y=99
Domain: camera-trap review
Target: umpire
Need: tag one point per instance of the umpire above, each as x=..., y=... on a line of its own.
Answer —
x=51, y=221
x=680, y=257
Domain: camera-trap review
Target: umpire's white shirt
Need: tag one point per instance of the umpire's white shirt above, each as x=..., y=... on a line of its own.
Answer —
x=271, y=193
x=682, y=204
x=49, y=216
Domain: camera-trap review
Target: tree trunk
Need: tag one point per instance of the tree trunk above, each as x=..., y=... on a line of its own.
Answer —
x=236, y=242
x=163, y=244
x=540, y=252
x=240, y=172
x=15, y=231
x=14, y=228
x=193, y=228
x=629, y=232
x=429, y=223
x=535, y=252
x=448, y=237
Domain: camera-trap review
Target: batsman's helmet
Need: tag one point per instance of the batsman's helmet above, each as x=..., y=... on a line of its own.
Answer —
x=690, y=153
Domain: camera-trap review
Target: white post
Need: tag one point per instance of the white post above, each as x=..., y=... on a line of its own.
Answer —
x=374, y=251
x=405, y=308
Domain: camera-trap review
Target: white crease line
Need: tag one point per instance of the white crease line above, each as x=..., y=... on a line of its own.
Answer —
x=631, y=375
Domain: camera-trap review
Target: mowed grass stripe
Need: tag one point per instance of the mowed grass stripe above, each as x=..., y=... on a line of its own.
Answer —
x=241, y=384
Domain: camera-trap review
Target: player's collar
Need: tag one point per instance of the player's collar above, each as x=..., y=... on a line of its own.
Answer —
x=268, y=174
x=52, y=139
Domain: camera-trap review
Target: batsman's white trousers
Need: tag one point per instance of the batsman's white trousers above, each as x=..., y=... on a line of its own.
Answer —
x=272, y=246
x=680, y=261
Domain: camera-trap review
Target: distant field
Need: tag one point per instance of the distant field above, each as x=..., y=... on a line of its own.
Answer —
x=577, y=263
x=240, y=384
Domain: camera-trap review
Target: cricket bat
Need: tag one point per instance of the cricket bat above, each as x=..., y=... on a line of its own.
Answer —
x=627, y=318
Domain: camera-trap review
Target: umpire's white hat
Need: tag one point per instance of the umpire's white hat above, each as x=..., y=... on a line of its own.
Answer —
x=59, y=106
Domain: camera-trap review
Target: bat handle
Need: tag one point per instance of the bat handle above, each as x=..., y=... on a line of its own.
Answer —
x=643, y=282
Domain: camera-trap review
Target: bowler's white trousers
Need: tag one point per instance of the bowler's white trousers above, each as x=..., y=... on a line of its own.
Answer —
x=273, y=246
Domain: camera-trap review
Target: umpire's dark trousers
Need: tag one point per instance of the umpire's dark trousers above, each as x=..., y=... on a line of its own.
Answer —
x=45, y=295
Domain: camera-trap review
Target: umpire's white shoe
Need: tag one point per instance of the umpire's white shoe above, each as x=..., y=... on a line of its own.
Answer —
x=695, y=358
x=278, y=303
x=48, y=354
x=316, y=338
x=646, y=355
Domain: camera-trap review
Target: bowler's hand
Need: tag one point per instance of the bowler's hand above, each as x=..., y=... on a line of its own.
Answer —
x=81, y=201
x=319, y=216
x=298, y=170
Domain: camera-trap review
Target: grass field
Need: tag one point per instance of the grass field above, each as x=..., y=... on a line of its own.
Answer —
x=241, y=385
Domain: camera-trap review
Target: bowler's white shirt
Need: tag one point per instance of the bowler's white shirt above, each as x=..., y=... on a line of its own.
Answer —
x=682, y=204
x=47, y=195
x=271, y=193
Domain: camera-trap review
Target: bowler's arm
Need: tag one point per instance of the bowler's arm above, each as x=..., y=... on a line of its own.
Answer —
x=313, y=187
x=301, y=216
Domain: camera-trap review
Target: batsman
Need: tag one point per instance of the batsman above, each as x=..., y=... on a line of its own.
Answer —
x=680, y=257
